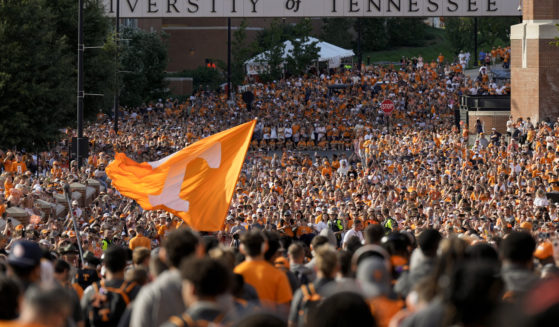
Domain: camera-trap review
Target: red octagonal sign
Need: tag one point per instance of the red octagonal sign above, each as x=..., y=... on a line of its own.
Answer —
x=387, y=106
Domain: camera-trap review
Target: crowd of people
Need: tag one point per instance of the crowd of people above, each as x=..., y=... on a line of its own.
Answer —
x=342, y=215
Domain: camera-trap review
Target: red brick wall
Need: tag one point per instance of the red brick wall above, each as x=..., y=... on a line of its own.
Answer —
x=540, y=9
x=180, y=86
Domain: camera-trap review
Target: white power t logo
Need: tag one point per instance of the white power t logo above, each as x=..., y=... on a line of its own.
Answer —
x=169, y=197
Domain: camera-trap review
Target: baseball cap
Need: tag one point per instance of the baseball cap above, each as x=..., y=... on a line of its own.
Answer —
x=544, y=250
x=69, y=249
x=526, y=225
x=25, y=254
x=373, y=277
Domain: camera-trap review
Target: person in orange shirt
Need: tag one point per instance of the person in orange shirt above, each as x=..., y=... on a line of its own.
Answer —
x=440, y=58
x=8, y=161
x=139, y=240
x=19, y=166
x=270, y=283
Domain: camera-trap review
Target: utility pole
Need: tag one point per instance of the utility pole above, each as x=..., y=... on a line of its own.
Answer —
x=228, y=58
x=80, y=84
x=117, y=86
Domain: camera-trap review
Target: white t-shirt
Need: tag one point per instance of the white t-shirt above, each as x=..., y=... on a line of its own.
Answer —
x=352, y=232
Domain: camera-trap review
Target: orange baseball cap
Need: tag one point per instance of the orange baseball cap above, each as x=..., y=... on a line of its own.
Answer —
x=544, y=250
x=526, y=225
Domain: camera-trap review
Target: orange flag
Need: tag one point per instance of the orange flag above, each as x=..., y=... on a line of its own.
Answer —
x=195, y=183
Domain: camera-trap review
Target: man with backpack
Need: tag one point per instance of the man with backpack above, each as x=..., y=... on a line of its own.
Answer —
x=309, y=296
x=205, y=284
x=296, y=254
x=104, y=302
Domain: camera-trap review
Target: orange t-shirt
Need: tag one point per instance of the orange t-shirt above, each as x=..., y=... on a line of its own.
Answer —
x=270, y=283
x=8, y=166
x=140, y=241
x=19, y=167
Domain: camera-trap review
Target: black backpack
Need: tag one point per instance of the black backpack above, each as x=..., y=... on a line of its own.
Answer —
x=311, y=300
x=185, y=320
x=301, y=277
x=107, y=305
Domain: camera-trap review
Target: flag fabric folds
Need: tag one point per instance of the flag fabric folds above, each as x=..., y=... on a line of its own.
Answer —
x=195, y=183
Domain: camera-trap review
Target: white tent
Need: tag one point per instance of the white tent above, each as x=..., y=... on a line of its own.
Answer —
x=326, y=52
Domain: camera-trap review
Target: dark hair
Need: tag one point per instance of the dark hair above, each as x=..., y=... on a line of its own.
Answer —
x=274, y=245
x=475, y=291
x=428, y=242
x=344, y=259
x=342, y=309
x=180, y=244
x=209, y=277
x=261, y=320
x=318, y=240
x=61, y=266
x=373, y=233
x=23, y=273
x=483, y=252
x=9, y=298
x=115, y=259
x=353, y=244
x=252, y=242
x=518, y=247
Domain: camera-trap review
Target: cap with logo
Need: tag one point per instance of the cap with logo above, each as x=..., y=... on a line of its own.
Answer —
x=25, y=254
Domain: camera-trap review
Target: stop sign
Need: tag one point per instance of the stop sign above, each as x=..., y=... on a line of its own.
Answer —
x=387, y=106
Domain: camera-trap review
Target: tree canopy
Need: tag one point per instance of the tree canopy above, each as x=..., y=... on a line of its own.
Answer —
x=38, y=67
x=143, y=61
x=35, y=75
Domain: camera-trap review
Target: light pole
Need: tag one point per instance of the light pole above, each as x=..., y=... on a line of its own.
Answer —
x=228, y=58
x=80, y=84
x=117, y=88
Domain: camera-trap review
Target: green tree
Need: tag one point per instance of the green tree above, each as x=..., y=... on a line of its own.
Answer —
x=143, y=60
x=304, y=52
x=338, y=32
x=241, y=52
x=35, y=75
x=405, y=31
x=99, y=63
x=492, y=32
x=373, y=33
x=271, y=42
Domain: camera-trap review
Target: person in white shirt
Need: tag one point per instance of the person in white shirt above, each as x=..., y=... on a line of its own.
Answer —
x=288, y=132
x=541, y=199
x=321, y=225
x=356, y=230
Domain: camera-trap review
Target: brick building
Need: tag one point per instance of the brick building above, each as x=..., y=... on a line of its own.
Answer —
x=535, y=62
x=193, y=40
